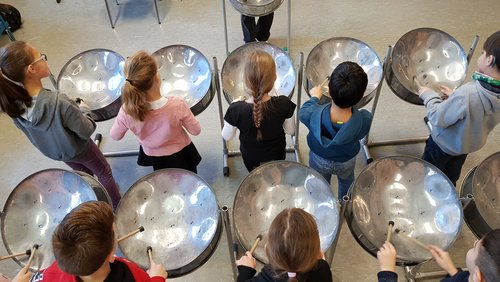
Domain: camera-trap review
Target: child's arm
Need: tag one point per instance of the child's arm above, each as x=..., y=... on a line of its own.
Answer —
x=23, y=275
x=443, y=259
x=443, y=113
x=119, y=127
x=228, y=131
x=189, y=121
x=387, y=259
x=289, y=125
x=77, y=119
x=308, y=108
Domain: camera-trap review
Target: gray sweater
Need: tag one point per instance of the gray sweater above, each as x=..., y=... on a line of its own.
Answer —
x=57, y=128
x=461, y=123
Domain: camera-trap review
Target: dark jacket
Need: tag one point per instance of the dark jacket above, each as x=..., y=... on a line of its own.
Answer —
x=320, y=273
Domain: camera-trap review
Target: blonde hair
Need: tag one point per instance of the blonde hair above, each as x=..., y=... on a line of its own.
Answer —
x=140, y=70
x=293, y=243
x=260, y=75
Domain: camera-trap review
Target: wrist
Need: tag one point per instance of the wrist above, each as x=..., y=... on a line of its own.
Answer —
x=452, y=271
x=388, y=268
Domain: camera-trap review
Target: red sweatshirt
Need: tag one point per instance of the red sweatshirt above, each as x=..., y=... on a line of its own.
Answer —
x=54, y=274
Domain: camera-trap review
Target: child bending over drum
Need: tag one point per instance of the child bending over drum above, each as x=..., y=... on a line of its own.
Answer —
x=483, y=261
x=84, y=244
x=293, y=250
x=56, y=125
x=262, y=119
x=336, y=128
x=158, y=122
x=462, y=120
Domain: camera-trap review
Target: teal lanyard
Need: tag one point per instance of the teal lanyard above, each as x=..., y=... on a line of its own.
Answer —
x=488, y=79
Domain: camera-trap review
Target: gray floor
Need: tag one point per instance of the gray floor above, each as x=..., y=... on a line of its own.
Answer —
x=66, y=29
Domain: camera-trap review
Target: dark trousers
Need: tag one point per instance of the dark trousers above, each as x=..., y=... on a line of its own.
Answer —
x=256, y=31
x=188, y=158
x=449, y=165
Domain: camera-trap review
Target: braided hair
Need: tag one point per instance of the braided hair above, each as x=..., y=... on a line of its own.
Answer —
x=260, y=75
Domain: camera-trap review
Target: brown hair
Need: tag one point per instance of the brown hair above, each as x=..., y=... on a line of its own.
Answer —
x=260, y=75
x=140, y=70
x=492, y=47
x=84, y=238
x=293, y=243
x=15, y=57
x=488, y=257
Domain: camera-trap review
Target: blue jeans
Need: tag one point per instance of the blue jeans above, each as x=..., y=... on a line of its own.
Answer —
x=449, y=165
x=344, y=171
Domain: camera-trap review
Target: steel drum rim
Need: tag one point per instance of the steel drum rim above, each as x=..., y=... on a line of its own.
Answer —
x=10, y=198
x=97, y=114
x=256, y=10
x=205, y=101
x=366, y=97
x=352, y=224
x=257, y=46
x=336, y=206
x=393, y=73
x=204, y=256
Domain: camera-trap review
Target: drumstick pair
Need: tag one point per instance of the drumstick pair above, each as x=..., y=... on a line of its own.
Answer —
x=397, y=231
x=30, y=253
x=139, y=229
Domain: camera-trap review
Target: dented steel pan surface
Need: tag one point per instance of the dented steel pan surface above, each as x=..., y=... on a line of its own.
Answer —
x=328, y=54
x=415, y=195
x=185, y=73
x=233, y=68
x=180, y=216
x=37, y=205
x=426, y=57
x=277, y=185
x=96, y=76
x=256, y=8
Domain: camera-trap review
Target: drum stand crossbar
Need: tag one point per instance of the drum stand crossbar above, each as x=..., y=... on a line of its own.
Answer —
x=295, y=138
x=289, y=30
x=366, y=142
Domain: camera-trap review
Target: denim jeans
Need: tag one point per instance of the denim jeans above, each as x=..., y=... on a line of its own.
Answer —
x=449, y=165
x=344, y=171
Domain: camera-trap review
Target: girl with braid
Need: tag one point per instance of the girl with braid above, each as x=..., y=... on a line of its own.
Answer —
x=264, y=118
x=159, y=123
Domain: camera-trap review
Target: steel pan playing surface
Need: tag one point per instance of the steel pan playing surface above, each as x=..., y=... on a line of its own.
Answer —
x=180, y=216
x=256, y=8
x=414, y=194
x=233, y=68
x=277, y=185
x=185, y=73
x=96, y=76
x=34, y=209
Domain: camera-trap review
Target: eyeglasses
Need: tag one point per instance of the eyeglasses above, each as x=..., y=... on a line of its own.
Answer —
x=42, y=57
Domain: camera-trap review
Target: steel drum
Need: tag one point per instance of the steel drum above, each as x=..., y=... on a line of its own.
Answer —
x=180, y=216
x=415, y=195
x=232, y=73
x=328, y=54
x=427, y=57
x=277, y=185
x=96, y=76
x=256, y=8
x=482, y=184
x=38, y=204
x=185, y=73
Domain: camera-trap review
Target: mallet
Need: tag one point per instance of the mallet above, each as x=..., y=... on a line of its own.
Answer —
x=140, y=229
x=257, y=240
x=414, y=240
x=27, y=253
x=33, y=251
x=389, y=231
x=149, y=249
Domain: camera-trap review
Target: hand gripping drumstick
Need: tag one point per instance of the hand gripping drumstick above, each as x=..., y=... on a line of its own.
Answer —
x=414, y=240
x=324, y=82
x=257, y=240
x=33, y=251
x=27, y=253
x=389, y=231
x=140, y=229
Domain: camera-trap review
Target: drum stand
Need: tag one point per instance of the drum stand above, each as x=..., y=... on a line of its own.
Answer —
x=295, y=138
x=366, y=142
x=289, y=13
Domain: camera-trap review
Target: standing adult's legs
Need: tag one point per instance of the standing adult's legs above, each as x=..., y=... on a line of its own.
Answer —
x=264, y=27
x=249, y=28
x=94, y=160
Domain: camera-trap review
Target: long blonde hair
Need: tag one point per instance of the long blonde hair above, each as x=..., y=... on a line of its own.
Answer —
x=140, y=70
x=260, y=75
x=293, y=243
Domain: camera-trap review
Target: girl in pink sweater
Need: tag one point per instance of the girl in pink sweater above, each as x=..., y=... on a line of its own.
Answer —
x=159, y=123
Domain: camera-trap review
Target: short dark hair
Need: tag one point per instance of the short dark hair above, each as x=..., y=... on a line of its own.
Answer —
x=347, y=84
x=492, y=47
x=488, y=257
x=84, y=238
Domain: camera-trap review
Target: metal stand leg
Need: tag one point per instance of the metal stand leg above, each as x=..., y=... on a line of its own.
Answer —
x=289, y=34
x=230, y=244
x=157, y=14
x=225, y=26
x=109, y=13
x=410, y=272
x=472, y=48
x=330, y=253
x=295, y=137
x=216, y=82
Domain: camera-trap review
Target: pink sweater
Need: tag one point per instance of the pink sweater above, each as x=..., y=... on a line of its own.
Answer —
x=162, y=131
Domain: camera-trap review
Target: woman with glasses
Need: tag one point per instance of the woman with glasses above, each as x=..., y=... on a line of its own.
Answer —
x=55, y=124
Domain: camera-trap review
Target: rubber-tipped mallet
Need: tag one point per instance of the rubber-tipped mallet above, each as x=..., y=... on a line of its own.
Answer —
x=389, y=231
x=140, y=229
x=33, y=251
x=257, y=240
x=27, y=253
x=414, y=240
x=149, y=249
x=324, y=82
